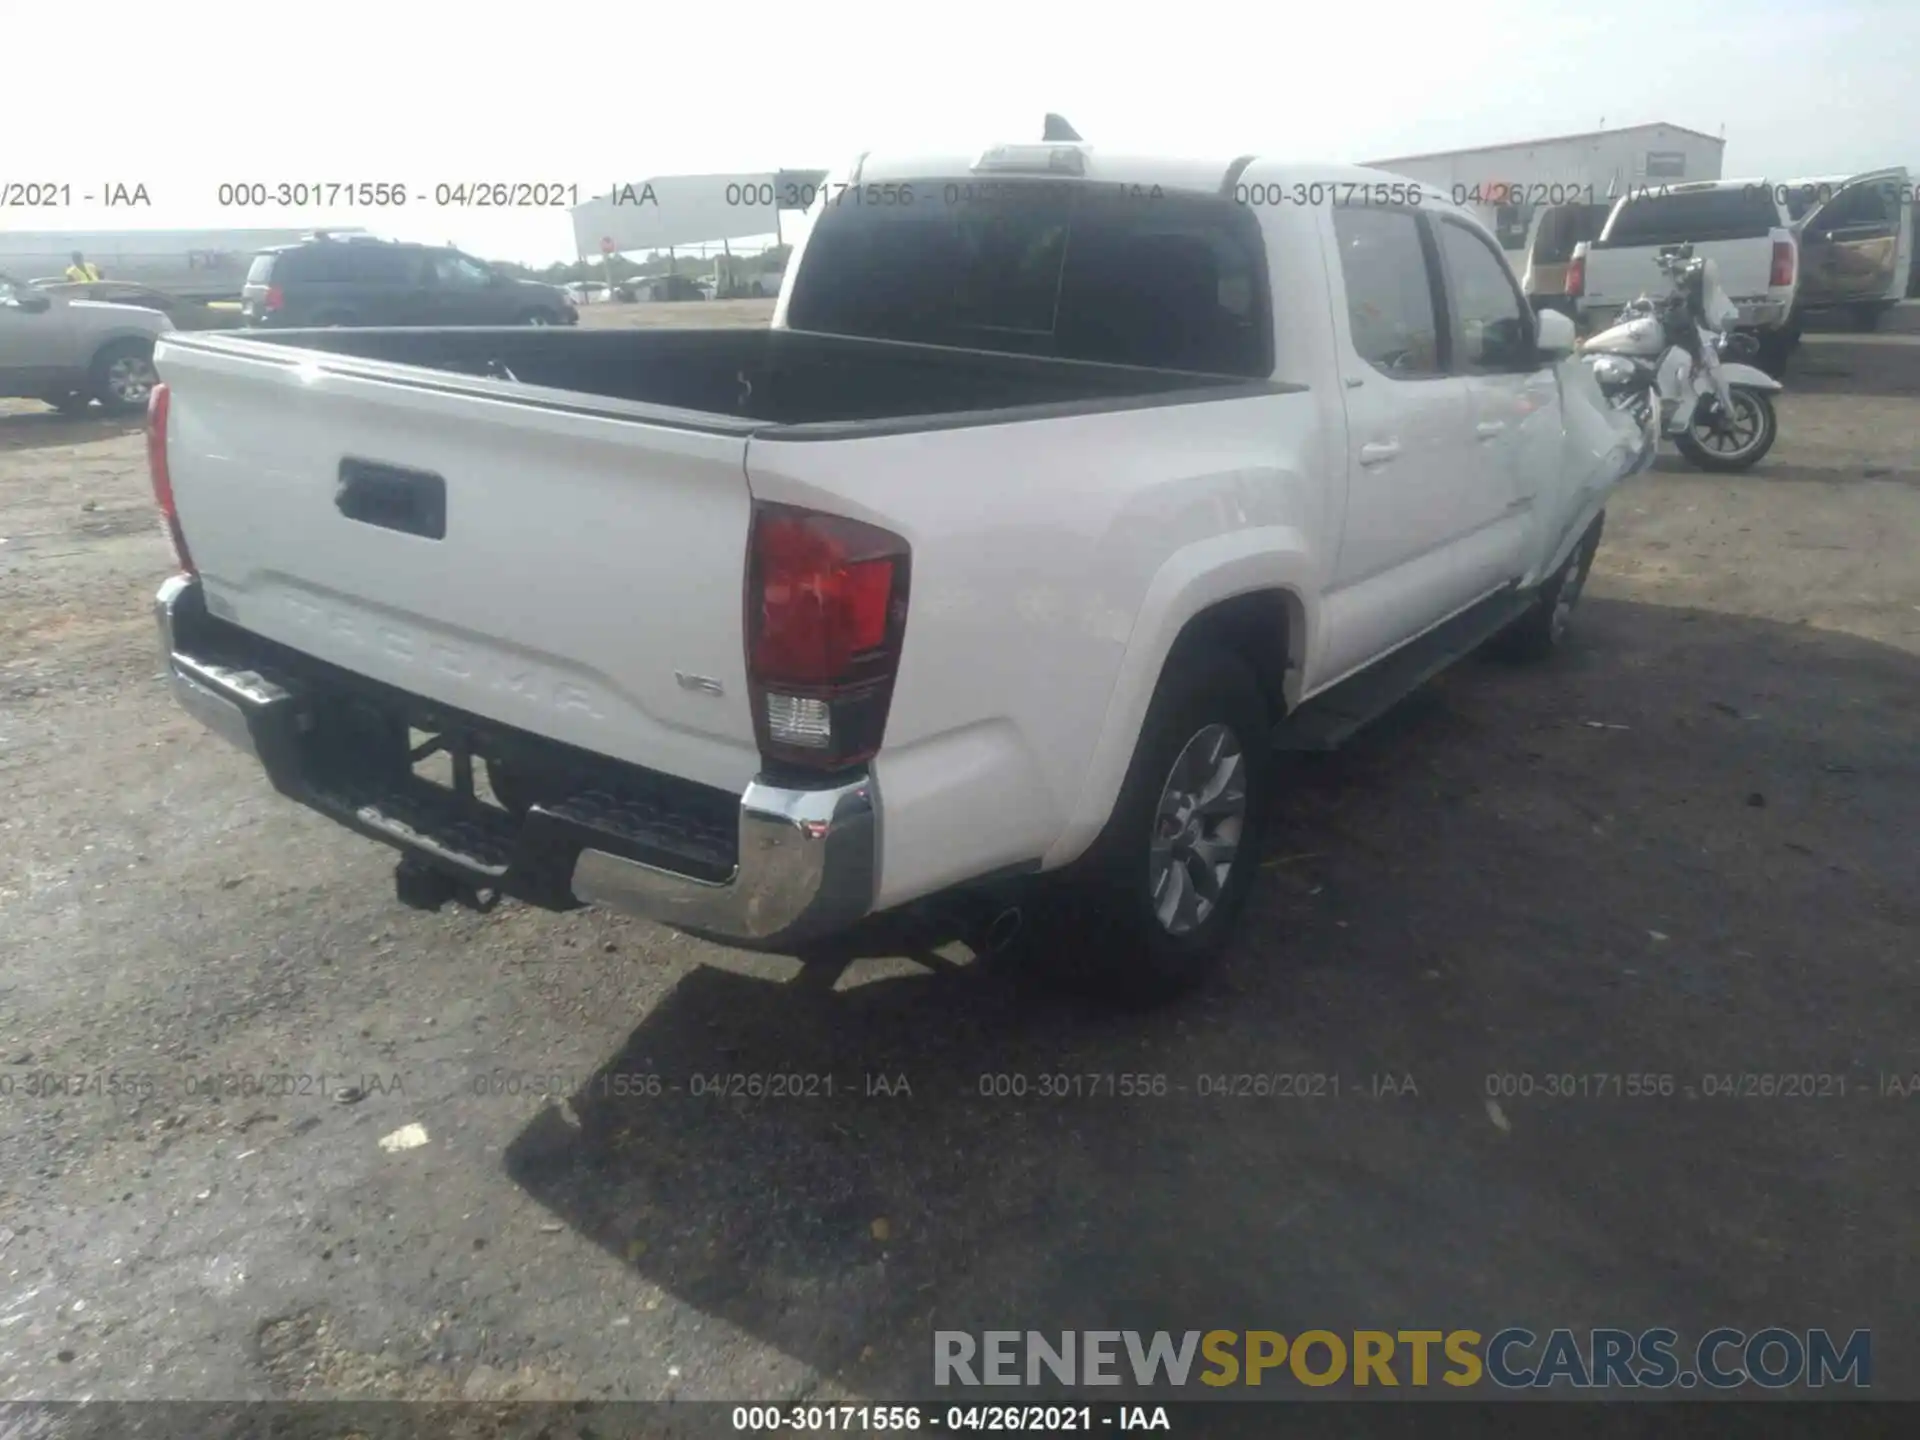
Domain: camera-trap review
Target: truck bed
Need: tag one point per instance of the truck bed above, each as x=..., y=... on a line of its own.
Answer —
x=546, y=529
x=744, y=379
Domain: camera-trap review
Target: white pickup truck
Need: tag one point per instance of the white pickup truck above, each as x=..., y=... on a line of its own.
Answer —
x=1064, y=488
x=1784, y=250
x=1740, y=225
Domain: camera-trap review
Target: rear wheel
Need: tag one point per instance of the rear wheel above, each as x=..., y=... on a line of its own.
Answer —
x=1733, y=440
x=536, y=317
x=122, y=376
x=1147, y=913
x=1867, y=317
x=333, y=319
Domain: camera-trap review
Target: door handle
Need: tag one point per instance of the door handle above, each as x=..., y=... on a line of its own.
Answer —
x=1380, y=452
x=414, y=502
x=1490, y=429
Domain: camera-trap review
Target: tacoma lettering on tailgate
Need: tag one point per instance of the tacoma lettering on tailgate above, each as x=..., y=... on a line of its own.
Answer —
x=496, y=674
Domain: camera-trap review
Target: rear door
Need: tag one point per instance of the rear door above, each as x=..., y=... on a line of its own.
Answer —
x=389, y=284
x=351, y=282
x=1856, y=241
x=1413, y=494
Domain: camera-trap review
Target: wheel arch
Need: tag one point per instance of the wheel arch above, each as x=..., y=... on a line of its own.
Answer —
x=120, y=335
x=1249, y=591
x=1263, y=628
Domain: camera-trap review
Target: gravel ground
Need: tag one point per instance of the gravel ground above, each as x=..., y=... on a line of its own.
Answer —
x=1685, y=848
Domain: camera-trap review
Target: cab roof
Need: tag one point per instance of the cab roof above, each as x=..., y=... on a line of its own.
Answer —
x=1091, y=163
x=1033, y=159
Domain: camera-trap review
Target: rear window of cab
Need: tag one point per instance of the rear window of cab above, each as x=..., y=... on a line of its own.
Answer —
x=1736, y=212
x=1044, y=267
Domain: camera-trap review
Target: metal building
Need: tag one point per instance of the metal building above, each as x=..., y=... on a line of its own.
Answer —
x=1507, y=184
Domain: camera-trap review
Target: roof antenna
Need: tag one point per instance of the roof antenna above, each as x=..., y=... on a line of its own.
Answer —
x=1058, y=129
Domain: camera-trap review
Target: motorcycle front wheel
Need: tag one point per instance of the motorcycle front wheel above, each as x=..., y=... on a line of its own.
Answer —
x=1734, y=441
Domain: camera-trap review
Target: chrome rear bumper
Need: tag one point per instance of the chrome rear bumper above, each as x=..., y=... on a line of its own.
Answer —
x=806, y=868
x=806, y=863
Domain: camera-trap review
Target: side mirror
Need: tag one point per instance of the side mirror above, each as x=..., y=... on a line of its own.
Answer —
x=1553, y=334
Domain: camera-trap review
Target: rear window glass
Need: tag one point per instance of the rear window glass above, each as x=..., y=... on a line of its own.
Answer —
x=1564, y=226
x=1169, y=281
x=261, y=268
x=1736, y=213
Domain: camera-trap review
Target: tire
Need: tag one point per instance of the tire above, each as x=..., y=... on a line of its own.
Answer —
x=334, y=319
x=536, y=317
x=1868, y=317
x=122, y=376
x=1101, y=929
x=1754, y=408
x=1543, y=629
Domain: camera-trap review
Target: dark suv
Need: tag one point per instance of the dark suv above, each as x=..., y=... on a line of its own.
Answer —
x=366, y=281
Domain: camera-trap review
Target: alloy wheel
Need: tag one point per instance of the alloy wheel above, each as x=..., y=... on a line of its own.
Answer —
x=1196, y=830
x=131, y=378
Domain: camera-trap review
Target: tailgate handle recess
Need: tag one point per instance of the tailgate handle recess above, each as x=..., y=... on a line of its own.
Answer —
x=414, y=502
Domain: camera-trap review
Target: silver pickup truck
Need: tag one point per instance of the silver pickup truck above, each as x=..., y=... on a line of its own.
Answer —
x=70, y=353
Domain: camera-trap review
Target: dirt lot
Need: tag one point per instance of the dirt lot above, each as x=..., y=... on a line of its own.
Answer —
x=1686, y=848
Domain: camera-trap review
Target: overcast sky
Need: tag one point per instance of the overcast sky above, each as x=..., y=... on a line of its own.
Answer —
x=183, y=97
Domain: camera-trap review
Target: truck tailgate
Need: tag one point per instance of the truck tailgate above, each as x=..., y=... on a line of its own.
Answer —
x=561, y=569
x=1615, y=277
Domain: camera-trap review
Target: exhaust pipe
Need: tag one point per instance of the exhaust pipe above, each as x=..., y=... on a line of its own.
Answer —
x=1004, y=929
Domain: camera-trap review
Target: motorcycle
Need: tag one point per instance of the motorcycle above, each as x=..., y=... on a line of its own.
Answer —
x=1676, y=365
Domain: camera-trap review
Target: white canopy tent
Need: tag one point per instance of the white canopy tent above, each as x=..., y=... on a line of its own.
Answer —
x=667, y=211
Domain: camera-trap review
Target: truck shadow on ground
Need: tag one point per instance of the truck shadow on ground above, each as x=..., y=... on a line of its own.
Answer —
x=1854, y=365
x=1773, y=472
x=44, y=429
x=1676, y=857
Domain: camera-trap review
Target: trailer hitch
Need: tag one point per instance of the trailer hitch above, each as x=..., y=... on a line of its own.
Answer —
x=420, y=886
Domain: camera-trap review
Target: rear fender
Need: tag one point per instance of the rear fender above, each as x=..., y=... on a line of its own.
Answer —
x=98, y=340
x=1201, y=575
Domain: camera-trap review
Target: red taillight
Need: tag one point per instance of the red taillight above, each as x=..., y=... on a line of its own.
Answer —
x=163, y=478
x=826, y=612
x=273, y=299
x=1782, y=275
x=1577, y=276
